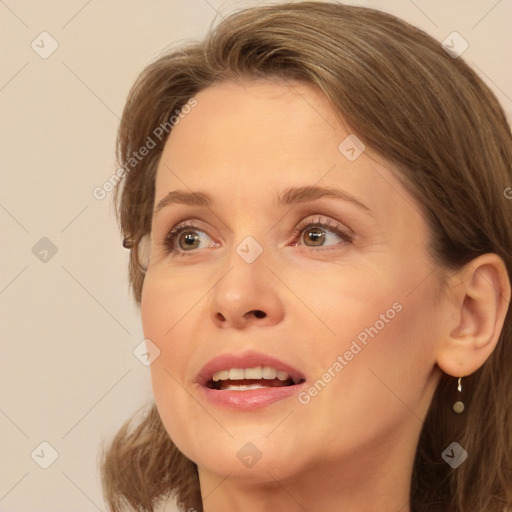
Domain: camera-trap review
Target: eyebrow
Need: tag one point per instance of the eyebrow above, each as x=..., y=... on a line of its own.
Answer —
x=190, y=198
x=290, y=196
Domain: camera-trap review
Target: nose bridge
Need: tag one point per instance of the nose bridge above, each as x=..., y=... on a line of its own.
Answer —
x=247, y=293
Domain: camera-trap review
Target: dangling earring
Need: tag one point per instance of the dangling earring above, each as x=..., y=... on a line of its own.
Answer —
x=458, y=406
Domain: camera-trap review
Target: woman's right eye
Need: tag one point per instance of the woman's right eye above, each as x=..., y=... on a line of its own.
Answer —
x=186, y=238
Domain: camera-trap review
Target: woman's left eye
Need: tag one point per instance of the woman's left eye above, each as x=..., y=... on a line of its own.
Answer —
x=322, y=233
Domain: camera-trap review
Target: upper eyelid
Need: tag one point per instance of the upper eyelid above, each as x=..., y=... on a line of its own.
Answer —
x=325, y=221
x=328, y=222
x=187, y=224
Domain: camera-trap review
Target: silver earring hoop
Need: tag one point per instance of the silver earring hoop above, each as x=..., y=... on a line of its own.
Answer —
x=458, y=407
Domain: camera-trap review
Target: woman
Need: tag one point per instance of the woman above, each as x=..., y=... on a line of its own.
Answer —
x=314, y=199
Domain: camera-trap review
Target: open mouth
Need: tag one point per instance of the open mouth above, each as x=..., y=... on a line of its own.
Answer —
x=257, y=377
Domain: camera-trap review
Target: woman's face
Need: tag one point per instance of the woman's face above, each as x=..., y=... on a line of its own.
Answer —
x=295, y=306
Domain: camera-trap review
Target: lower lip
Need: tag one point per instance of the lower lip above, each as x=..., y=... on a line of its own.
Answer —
x=250, y=398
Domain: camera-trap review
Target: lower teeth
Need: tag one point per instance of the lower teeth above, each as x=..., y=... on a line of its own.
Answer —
x=243, y=387
x=247, y=384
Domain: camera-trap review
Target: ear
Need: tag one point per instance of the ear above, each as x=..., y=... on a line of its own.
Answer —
x=479, y=300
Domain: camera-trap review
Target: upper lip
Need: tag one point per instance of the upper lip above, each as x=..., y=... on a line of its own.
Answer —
x=245, y=360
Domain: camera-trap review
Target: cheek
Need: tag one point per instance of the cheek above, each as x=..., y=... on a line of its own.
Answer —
x=376, y=368
x=169, y=312
x=167, y=306
x=349, y=299
x=162, y=307
x=384, y=378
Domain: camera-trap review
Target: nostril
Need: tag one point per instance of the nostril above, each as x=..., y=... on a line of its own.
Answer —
x=258, y=313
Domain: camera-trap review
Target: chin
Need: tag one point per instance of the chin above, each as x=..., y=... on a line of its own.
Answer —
x=250, y=454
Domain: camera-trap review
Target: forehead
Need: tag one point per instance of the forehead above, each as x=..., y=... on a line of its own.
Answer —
x=255, y=129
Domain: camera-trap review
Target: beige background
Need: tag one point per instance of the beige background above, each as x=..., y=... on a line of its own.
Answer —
x=68, y=326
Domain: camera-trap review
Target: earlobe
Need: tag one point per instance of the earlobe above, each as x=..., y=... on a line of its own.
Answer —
x=481, y=301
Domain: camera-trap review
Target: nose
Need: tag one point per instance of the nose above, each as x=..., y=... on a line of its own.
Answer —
x=247, y=295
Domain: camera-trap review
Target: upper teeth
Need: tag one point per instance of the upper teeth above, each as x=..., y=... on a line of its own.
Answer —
x=258, y=372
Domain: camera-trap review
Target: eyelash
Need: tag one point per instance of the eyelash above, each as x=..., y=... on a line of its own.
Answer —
x=335, y=228
x=345, y=234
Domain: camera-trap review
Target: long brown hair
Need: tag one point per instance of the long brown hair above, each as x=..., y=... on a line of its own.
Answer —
x=421, y=109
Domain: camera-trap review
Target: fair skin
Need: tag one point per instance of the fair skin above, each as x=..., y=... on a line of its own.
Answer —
x=350, y=446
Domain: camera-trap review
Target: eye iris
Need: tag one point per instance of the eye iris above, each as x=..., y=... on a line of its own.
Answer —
x=315, y=235
x=190, y=238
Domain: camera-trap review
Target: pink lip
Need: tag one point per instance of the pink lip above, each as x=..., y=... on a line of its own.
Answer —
x=252, y=398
